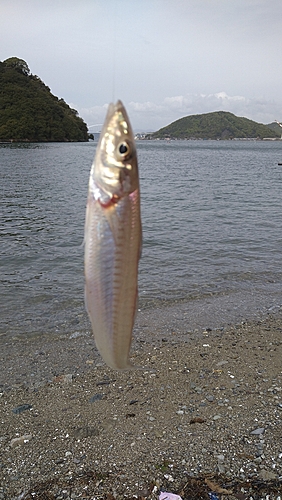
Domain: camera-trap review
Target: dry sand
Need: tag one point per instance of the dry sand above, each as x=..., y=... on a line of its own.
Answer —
x=204, y=416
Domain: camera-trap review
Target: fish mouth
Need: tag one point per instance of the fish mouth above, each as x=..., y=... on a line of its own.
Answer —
x=115, y=111
x=119, y=106
x=115, y=108
x=117, y=121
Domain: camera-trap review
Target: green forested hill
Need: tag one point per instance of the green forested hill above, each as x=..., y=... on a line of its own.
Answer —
x=29, y=112
x=274, y=126
x=217, y=125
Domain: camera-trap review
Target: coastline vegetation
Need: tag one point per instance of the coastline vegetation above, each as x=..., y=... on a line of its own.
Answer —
x=29, y=112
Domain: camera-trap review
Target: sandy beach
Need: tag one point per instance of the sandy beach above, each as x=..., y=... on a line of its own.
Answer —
x=203, y=415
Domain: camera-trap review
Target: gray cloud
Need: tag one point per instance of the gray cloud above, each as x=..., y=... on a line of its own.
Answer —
x=149, y=115
x=165, y=59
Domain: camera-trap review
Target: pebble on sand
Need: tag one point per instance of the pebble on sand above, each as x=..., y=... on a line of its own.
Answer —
x=19, y=409
x=20, y=440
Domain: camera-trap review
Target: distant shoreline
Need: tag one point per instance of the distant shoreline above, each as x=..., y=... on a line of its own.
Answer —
x=168, y=139
x=16, y=141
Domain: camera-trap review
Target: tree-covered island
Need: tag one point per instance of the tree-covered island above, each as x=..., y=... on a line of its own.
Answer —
x=217, y=125
x=30, y=112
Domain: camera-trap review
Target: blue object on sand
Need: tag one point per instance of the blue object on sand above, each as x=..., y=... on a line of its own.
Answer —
x=19, y=409
x=213, y=496
x=96, y=397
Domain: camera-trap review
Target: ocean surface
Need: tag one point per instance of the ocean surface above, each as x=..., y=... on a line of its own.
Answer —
x=212, y=232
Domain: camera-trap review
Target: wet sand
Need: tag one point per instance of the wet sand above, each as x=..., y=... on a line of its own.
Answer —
x=34, y=358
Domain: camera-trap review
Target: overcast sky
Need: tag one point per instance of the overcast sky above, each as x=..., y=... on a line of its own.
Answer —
x=164, y=58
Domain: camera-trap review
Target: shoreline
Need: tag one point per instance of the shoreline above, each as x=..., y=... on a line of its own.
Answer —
x=207, y=405
x=36, y=358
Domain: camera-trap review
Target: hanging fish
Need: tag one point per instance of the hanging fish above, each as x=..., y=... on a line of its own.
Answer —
x=113, y=239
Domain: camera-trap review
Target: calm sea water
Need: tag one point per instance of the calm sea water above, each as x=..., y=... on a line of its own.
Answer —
x=212, y=227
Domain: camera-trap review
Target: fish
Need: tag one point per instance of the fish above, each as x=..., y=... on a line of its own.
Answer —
x=113, y=239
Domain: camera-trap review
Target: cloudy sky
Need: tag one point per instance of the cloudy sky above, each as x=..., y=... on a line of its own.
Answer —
x=164, y=58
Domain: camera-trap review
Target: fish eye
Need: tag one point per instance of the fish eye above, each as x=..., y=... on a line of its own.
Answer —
x=124, y=149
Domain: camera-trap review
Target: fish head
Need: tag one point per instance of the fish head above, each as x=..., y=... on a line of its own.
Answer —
x=115, y=171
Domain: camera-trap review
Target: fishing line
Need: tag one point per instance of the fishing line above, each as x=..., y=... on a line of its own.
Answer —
x=115, y=23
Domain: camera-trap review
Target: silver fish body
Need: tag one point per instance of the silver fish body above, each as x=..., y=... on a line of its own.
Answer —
x=113, y=239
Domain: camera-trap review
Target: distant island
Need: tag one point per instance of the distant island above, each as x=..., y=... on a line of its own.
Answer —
x=29, y=112
x=219, y=125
